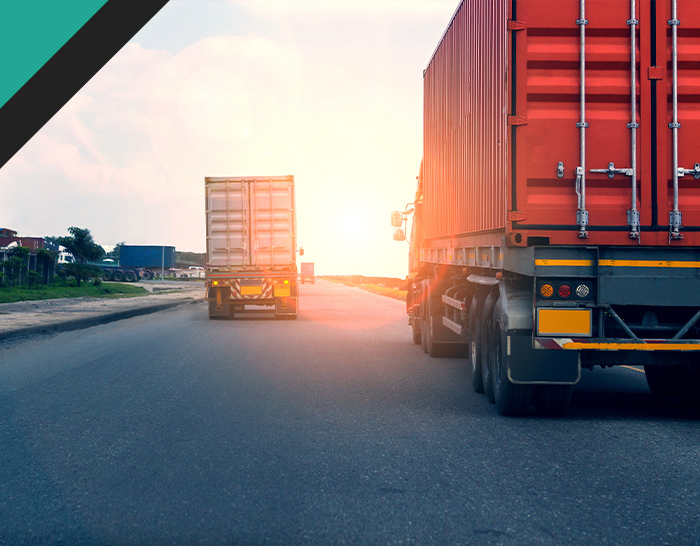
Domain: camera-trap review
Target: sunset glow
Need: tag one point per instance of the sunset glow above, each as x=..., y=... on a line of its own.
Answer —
x=327, y=91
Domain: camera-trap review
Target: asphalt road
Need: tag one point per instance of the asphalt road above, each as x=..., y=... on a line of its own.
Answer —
x=331, y=429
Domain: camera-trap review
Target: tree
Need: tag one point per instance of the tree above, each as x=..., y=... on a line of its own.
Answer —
x=116, y=252
x=47, y=259
x=84, y=249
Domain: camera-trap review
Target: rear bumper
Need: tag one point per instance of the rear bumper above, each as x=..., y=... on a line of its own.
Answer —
x=573, y=344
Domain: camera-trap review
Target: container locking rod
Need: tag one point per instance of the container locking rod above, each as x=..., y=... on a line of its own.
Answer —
x=675, y=217
x=582, y=213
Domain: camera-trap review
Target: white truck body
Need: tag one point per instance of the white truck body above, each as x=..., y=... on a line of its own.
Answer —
x=251, y=244
x=251, y=222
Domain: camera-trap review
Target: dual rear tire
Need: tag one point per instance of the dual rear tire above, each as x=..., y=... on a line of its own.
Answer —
x=490, y=368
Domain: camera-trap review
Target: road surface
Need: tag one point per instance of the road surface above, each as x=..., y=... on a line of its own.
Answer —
x=331, y=429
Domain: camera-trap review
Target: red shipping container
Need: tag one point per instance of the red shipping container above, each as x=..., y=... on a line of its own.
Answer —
x=502, y=117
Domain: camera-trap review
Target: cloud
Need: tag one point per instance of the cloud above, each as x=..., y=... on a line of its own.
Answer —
x=221, y=101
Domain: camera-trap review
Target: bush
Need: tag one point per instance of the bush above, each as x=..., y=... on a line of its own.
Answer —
x=33, y=278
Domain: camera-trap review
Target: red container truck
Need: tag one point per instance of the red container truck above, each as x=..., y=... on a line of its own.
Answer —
x=557, y=216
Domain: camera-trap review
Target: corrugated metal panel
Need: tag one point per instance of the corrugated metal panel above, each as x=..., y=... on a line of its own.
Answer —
x=464, y=164
x=470, y=181
x=251, y=222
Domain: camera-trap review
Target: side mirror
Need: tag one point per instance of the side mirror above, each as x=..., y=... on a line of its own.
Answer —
x=399, y=234
x=396, y=219
x=301, y=251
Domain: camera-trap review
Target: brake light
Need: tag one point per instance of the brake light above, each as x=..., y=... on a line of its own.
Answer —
x=564, y=290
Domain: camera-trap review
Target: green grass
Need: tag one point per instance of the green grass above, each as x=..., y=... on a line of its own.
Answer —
x=56, y=291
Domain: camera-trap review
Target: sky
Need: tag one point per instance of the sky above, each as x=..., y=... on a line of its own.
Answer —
x=330, y=91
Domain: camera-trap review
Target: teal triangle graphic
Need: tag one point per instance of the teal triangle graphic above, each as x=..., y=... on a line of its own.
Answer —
x=30, y=34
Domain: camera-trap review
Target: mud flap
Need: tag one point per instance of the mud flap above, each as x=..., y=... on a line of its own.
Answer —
x=286, y=306
x=222, y=310
x=529, y=366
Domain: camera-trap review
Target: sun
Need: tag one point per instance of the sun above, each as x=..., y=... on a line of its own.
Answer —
x=354, y=225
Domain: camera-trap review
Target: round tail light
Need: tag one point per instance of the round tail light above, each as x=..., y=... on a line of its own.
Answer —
x=564, y=290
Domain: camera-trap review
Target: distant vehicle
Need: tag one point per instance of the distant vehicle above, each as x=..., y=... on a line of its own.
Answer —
x=64, y=257
x=251, y=245
x=307, y=272
x=195, y=267
x=138, y=262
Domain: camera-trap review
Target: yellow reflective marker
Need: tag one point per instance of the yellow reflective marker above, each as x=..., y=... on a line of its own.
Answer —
x=251, y=290
x=564, y=322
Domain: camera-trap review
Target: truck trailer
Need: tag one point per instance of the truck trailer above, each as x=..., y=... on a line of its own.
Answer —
x=251, y=245
x=556, y=222
x=307, y=273
x=138, y=261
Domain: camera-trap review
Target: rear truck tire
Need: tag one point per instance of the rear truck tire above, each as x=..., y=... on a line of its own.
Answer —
x=485, y=344
x=511, y=399
x=663, y=380
x=106, y=275
x=423, y=317
x=118, y=275
x=474, y=347
x=415, y=325
x=434, y=328
x=130, y=276
x=688, y=388
x=147, y=275
x=552, y=400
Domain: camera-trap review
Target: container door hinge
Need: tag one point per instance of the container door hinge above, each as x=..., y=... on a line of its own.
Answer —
x=516, y=25
x=516, y=216
x=517, y=120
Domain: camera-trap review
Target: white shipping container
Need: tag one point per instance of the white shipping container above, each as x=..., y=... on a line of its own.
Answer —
x=251, y=223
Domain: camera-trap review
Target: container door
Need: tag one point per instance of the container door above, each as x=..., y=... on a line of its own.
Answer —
x=272, y=223
x=548, y=90
x=605, y=189
x=227, y=224
x=687, y=15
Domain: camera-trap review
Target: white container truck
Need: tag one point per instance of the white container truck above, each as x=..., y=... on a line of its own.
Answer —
x=251, y=245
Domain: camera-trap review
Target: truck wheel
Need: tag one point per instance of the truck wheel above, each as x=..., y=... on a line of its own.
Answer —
x=474, y=345
x=425, y=333
x=118, y=275
x=663, y=380
x=435, y=349
x=552, y=400
x=415, y=325
x=511, y=399
x=106, y=275
x=485, y=343
x=147, y=275
x=130, y=276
